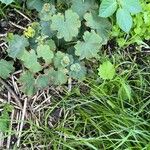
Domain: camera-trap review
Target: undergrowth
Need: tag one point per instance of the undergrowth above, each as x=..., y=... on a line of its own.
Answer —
x=100, y=97
x=101, y=118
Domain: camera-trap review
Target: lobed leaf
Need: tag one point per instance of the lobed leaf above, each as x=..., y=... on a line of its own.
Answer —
x=90, y=46
x=67, y=26
x=45, y=52
x=27, y=82
x=17, y=45
x=57, y=77
x=101, y=25
x=62, y=60
x=81, y=7
x=42, y=81
x=77, y=71
x=30, y=61
x=6, y=68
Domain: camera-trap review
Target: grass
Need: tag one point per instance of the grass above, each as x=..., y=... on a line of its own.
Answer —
x=95, y=115
x=100, y=119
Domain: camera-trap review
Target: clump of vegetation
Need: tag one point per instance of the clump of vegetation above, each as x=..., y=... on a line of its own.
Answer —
x=74, y=87
x=57, y=47
x=140, y=30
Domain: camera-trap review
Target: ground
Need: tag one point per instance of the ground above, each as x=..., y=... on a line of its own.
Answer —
x=92, y=114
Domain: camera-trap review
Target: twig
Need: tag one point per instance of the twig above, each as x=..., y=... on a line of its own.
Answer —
x=12, y=92
x=4, y=43
x=3, y=35
x=22, y=15
x=22, y=121
x=10, y=129
x=18, y=26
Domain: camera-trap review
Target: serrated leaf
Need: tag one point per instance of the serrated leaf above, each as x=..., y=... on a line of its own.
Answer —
x=101, y=25
x=81, y=7
x=77, y=71
x=7, y=2
x=57, y=77
x=17, y=45
x=62, y=60
x=45, y=52
x=42, y=81
x=124, y=19
x=133, y=6
x=106, y=70
x=107, y=8
x=6, y=68
x=90, y=46
x=67, y=26
x=30, y=61
x=27, y=81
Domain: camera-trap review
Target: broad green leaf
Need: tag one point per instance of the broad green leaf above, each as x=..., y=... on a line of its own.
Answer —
x=101, y=25
x=57, y=77
x=27, y=81
x=17, y=45
x=81, y=7
x=77, y=71
x=30, y=61
x=133, y=6
x=6, y=68
x=42, y=81
x=62, y=60
x=106, y=70
x=35, y=4
x=7, y=2
x=45, y=52
x=124, y=19
x=107, y=8
x=67, y=26
x=90, y=46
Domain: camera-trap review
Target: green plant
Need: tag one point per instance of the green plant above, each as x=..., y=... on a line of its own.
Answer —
x=58, y=47
x=140, y=30
x=123, y=8
x=106, y=70
x=4, y=118
x=99, y=119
